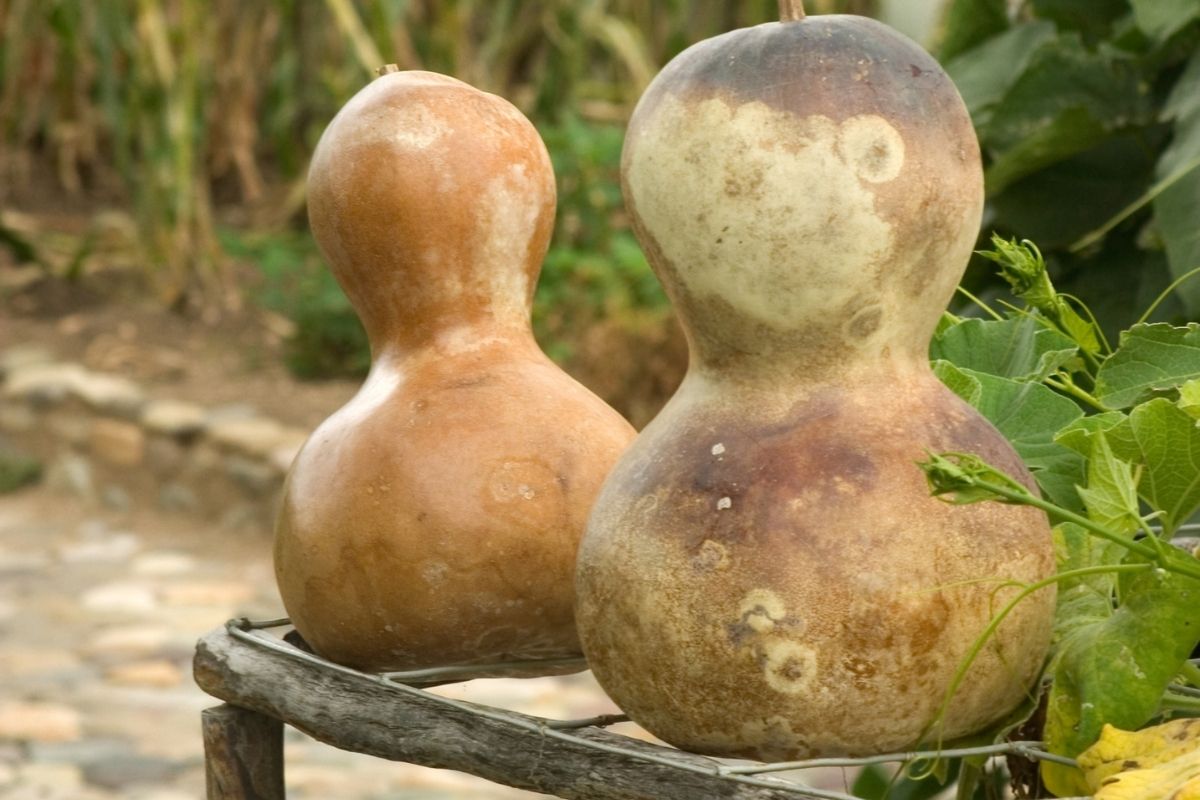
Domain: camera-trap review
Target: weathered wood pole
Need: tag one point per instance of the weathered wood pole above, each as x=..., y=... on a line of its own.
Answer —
x=243, y=754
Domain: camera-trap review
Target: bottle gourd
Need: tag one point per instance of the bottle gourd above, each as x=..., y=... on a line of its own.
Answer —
x=765, y=573
x=435, y=518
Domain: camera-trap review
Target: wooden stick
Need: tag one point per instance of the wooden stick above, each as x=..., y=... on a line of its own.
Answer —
x=365, y=714
x=243, y=754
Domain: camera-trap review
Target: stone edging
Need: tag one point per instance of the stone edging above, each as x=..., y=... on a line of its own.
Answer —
x=101, y=438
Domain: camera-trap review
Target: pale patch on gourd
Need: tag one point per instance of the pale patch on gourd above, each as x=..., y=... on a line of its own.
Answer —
x=516, y=481
x=411, y=125
x=872, y=147
x=789, y=667
x=718, y=449
x=434, y=572
x=785, y=204
x=506, y=215
x=724, y=503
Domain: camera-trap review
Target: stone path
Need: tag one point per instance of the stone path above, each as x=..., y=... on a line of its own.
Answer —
x=99, y=613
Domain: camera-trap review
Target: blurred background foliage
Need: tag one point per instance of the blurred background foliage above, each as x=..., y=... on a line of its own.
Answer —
x=1088, y=113
x=181, y=131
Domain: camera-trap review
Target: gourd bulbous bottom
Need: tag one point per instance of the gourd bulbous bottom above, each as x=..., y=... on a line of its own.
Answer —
x=787, y=587
x=435, y=519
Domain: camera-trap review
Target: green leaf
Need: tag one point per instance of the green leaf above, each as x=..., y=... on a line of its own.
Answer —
x=1177, y=207
x=1063, y=74
x=1099, y=182
x=1111, y=495
x=1029, y=415
x=1019, y=347
x=1089, y=16
x=1150, y=357
x=1078, y=435
x=1073, y=131
x=1085, y=599
x=965, y=386
x=967, y=23
x=1189, y=398
x=1165, y=441
x=1115, y=670
x=985, y=74
x=1160, y=19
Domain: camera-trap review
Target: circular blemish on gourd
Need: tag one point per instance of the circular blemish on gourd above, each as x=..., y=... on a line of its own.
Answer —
x=760, y=609
x=871, y=147
x=712, y=556
x=789, y=666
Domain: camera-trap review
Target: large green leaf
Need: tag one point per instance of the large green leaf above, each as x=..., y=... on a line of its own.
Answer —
x=967, y=23
x=1163, y=439
x=1065, y=76
x=1189, y=399
x=1115, y=669
x=1029, y=415
x=1019, y=347
x=1150, y=357
x=1092, y=17
x=1160, y=19
x=1087, y=599
x=986, y=73
x=1177, y=208
x=1100, y=182
x=1072, y=131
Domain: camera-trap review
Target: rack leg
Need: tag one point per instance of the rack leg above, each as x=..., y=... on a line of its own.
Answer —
x=243, y=754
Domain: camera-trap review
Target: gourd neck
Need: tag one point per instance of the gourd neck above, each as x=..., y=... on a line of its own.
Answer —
x=452, y=339
x=756, y=379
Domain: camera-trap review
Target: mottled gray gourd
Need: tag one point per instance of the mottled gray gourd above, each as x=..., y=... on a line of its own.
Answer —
x=434, y=520
x=765, y=573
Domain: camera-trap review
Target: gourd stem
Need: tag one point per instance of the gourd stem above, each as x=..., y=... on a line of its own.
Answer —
x=791, y=10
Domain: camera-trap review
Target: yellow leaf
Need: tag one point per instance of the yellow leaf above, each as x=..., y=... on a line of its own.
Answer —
x=1160, y=762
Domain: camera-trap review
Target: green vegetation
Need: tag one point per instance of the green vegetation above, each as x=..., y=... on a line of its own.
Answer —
x=1111, y=436
x=1088, y=113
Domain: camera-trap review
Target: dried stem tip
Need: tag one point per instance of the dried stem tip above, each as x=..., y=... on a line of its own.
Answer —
x=791, y=10
x=387, y=69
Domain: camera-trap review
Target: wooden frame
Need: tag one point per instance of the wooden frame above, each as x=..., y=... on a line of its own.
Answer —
x=267, y=681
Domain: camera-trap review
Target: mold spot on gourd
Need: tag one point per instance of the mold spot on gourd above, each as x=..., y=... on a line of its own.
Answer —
x=809, y=193
x=790, y=667
x=433, y=203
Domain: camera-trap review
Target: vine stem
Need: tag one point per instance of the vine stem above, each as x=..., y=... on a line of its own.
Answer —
x=1065, y=385
x=791, y=10
x=960, y=673
x=1191, y=672
x=1027, y=498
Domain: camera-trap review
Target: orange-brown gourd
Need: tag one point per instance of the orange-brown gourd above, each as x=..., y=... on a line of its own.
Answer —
x=435, y=518
x=765, y=573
